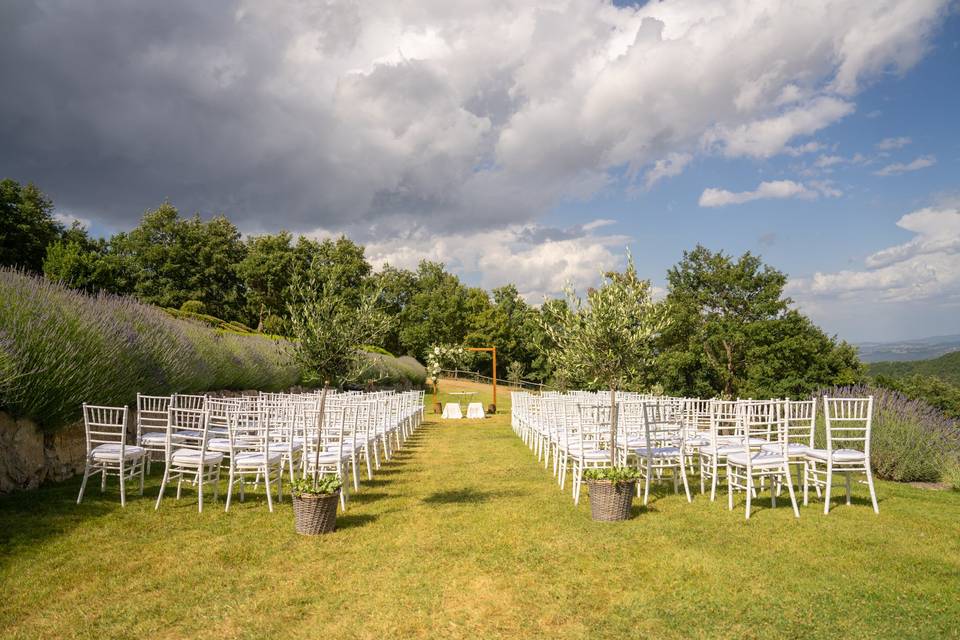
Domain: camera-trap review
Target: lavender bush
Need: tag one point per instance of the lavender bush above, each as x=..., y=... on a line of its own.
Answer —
x=912, y=441
x=60, y=348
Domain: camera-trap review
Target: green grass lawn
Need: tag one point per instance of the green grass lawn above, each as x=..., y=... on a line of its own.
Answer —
x=462, y=535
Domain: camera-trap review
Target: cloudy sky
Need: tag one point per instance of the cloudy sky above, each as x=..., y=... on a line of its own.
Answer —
x=520, y=140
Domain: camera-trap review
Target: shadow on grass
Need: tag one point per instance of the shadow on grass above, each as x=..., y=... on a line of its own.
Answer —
x=467, y=496
x=354, y=520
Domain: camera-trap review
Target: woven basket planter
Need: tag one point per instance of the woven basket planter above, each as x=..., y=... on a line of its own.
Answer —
x=611, y=500
x=314, y=515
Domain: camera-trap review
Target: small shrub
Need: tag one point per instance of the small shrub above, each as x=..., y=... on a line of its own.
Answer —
x=193, y=306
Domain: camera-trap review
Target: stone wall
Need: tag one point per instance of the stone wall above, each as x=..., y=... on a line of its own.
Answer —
x=30, y=457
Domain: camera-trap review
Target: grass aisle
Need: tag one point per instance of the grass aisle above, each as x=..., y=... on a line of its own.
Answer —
x=463, y=535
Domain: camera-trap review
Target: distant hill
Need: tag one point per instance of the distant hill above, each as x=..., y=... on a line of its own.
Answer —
x=920, y=349
x=946, y=367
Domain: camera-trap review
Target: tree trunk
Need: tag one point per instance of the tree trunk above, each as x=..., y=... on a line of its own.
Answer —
x=316, y=458
x=613, y=425
x=728, y=388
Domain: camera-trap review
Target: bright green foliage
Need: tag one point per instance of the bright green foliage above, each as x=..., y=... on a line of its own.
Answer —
x=329, y=328
x=27, y=225
x=265, y=271
x=437, y=312
x=325, y=485
x=613, y=474
x=515, y=373
x=171, y=260
x=732, y=333
x=60, y=348
x=609, y=341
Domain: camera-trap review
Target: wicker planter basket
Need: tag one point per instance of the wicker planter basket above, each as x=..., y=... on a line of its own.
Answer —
x=611, y=500
x=314, y=515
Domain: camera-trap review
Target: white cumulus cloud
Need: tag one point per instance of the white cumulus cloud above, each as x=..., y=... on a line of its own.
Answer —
x=897, y=168
x=776, y=189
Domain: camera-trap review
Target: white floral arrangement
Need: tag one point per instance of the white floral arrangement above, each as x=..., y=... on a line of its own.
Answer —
x=441, y=356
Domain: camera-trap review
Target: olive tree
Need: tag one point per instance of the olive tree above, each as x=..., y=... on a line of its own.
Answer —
x=608, y=339
x=329, y=328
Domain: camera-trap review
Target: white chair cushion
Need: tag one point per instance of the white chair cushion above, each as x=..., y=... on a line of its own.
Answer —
x=157, y=438
x=659, y=452
x=188, y=433
x=192, y=457
x=330, y=457
x=698, y=441
x=762, y=459
x=839, y=455
x=591, y=454
x=112, y=452
x=792, y=449
x=256, y=458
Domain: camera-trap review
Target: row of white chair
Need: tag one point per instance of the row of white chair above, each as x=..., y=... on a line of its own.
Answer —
x=256, y=438
x=753, y=441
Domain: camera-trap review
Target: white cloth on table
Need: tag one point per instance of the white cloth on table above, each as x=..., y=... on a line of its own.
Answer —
x=452, y=410
x=475, y=410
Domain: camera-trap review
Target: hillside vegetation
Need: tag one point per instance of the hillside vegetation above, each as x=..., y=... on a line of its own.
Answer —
x=946, y=367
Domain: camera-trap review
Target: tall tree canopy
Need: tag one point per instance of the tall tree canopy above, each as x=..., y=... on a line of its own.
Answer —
x=27, y=225
x=733, y=333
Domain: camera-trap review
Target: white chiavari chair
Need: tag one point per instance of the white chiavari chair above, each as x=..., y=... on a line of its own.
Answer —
x=107, y=450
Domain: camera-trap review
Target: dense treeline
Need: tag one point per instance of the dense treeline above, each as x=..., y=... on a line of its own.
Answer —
x=732, y=331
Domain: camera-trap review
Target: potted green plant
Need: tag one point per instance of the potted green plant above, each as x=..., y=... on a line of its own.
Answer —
x=315, y=498
x=611, y=492
x=608, y=341
x=315, y=504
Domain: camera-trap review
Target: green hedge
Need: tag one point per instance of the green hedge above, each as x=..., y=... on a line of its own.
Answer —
x=60, y=348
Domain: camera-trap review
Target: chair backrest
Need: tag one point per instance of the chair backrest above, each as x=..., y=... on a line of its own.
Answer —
x=724, y=420
x=660, y=427
x=152, y=413
x=800, y=417
x=186, y=401
x=104, y=425
x=593, y=425
x=246, y=430
x=849, y=422
x=187, y=429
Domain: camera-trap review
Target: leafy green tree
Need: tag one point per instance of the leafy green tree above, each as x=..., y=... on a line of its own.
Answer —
x=27, y=225
x=329, y=329
x=504, y=324
x=397, y=288
x=266, y=270
x=608, y=342
x=436, y=313
x=172, y=260
x=732, y=333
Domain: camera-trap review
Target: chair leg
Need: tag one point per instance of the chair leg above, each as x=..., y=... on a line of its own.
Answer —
x=793, y=497
x=163, y=485
x=83, y=484
x=200, y=484
x=713, y=479
x=829, y=480
x=806, y=483
x=123, y=492
x=873, y=493
x=729, y=489
x=683, y=476
x=142, y=470
x=230, y=479
x=848, y=487
x=749, y=492
x=646, y=487
x=266, y=484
